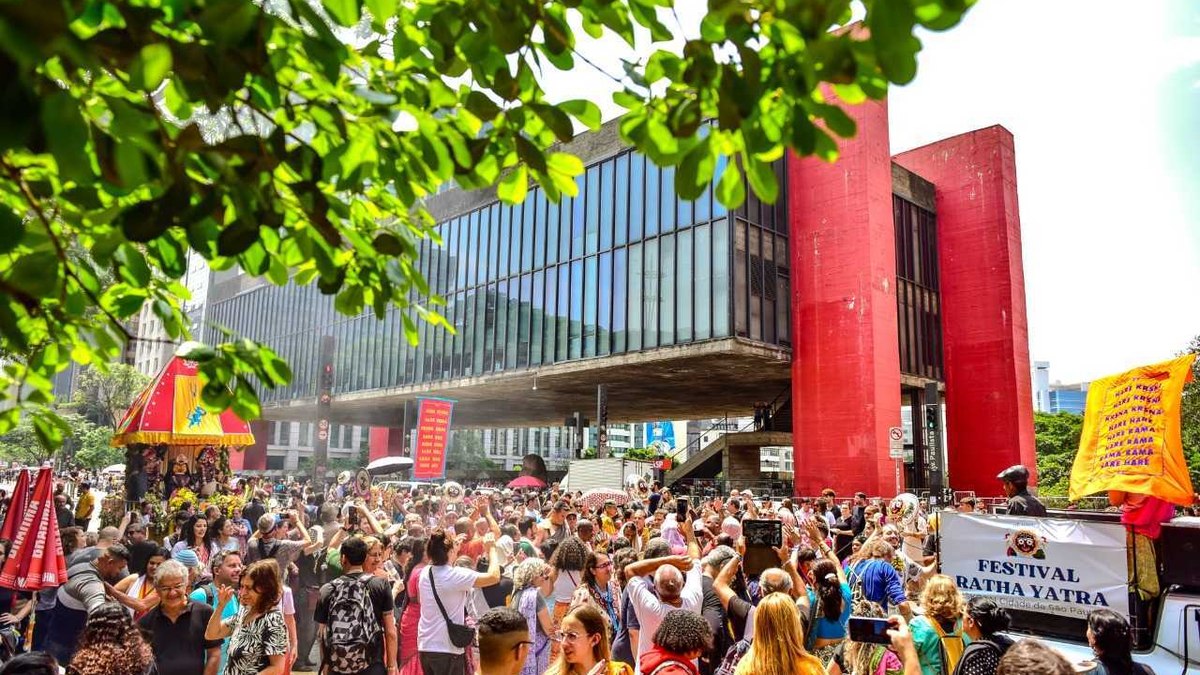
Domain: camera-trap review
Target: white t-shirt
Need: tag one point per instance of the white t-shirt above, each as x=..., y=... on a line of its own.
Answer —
x=454, y=586
x=650, y=611
x=565, y=585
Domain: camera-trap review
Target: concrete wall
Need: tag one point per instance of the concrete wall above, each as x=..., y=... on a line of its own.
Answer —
x=989, y=401
x=846, y=362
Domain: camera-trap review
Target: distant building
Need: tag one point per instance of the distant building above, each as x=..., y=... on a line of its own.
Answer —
x=1057, y=397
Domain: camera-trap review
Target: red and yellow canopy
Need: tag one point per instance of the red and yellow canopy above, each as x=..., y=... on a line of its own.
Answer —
x=170, y=411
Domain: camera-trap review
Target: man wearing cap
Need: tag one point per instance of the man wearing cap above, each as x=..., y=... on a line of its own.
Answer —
x=1020, y=503
x=269, y=541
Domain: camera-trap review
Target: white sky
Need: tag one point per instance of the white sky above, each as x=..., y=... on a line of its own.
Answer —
x=1107, y=130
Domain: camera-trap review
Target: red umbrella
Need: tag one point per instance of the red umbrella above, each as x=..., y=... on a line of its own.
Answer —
x=36, y=561
x=526, y=482
x=170, y=411
x=16, y=506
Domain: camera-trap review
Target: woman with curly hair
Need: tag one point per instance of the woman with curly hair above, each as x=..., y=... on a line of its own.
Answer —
x=531, y=581
x=109, y=645
x=680, y=639
x=941, y=627
x=778, y=645
x=258, y=639
x=584, y=639
x=198, y=537
x=568, y=560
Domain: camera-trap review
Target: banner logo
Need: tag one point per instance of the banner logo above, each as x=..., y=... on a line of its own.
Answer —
x=1026, y=543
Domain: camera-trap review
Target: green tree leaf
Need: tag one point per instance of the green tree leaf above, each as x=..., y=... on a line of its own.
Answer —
x=150, y=67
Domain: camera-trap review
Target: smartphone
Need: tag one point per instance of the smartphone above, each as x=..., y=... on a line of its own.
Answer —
x=863, y=629
x=681, y=509
x=767, y=533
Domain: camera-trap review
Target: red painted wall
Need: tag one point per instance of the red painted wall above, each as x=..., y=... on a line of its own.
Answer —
x=989, y=403
x=845, y=354
x=386, y=442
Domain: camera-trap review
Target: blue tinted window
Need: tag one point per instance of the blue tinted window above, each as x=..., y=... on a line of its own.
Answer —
x=652, y=199
x=683, y=287
x=620, y=301
x=667, y=208
x=607, y=202
x=504, y=240
x=651, y=307
x=575, y=346
x=564, y=234
x=637, y=196
x=589, y=306
x=527, y=232
x=622, y=194
x=592, y=218
x=666, y=307
x=501, y=326
x=537, y=318
x=518, y=322
x=702, y=284
x=482, y=248
x=548, y=339
x=604, y=306
x=539, y=230
x=578, y=213
x=553, y=227
x=564, y=301
x=703, y=206
x=514, y=240
x=635, y=297
x=721, y=280
x=496, y=245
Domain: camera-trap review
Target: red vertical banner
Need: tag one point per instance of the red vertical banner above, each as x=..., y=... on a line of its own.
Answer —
x=433, y=433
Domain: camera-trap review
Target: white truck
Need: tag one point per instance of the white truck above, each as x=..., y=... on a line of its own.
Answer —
x=1051, y=571
x=610, y=473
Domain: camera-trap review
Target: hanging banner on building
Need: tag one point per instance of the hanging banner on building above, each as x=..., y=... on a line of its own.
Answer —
x=1051, y=566
x=433, y=433
x=1131, y=439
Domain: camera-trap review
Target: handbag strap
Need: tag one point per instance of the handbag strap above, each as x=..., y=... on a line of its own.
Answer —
x=441, y=607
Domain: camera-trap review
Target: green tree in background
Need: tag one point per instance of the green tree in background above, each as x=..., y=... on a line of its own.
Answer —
x=92, y=448
x=1057, y=440
x=297, y=139
x=466, y=456
x=23, y=445
x=1189, y=419
x=103, y=396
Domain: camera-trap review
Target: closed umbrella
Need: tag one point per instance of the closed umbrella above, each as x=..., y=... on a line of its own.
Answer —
x=16, y=507
x=36, y=560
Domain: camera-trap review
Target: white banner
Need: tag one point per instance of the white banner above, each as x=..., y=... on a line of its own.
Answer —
x=1050, y=565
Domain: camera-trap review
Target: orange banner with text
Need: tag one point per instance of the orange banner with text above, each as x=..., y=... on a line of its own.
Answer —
x=1131, y=440
x=433, y=434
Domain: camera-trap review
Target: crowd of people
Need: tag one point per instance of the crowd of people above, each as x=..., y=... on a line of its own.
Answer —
x=494, y=581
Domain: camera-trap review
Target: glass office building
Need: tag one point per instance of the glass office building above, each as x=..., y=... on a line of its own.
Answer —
x=624, y=266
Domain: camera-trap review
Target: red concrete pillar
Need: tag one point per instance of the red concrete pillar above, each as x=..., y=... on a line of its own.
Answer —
x=386, y=442
x=254, y=457
x=845, y=354
x=989, y=403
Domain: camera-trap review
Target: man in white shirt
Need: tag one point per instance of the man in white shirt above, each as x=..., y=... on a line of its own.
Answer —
x=677, y=585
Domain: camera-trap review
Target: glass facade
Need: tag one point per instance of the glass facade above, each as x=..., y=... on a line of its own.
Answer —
x=624, y=266
x=918, y=301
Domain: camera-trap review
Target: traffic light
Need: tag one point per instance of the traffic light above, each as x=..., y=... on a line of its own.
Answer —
x=931, y=418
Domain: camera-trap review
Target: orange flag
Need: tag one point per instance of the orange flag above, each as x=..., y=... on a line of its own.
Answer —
x=1131, y=438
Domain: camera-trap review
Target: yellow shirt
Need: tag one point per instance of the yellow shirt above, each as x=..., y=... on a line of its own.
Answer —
x=87, y=503
x=608, y=525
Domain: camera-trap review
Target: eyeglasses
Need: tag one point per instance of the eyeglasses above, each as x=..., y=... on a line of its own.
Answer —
x=520, y=644
x=570, y=636
x=604, y=565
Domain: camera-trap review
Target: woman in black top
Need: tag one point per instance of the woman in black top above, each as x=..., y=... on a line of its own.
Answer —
x=982, y=622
